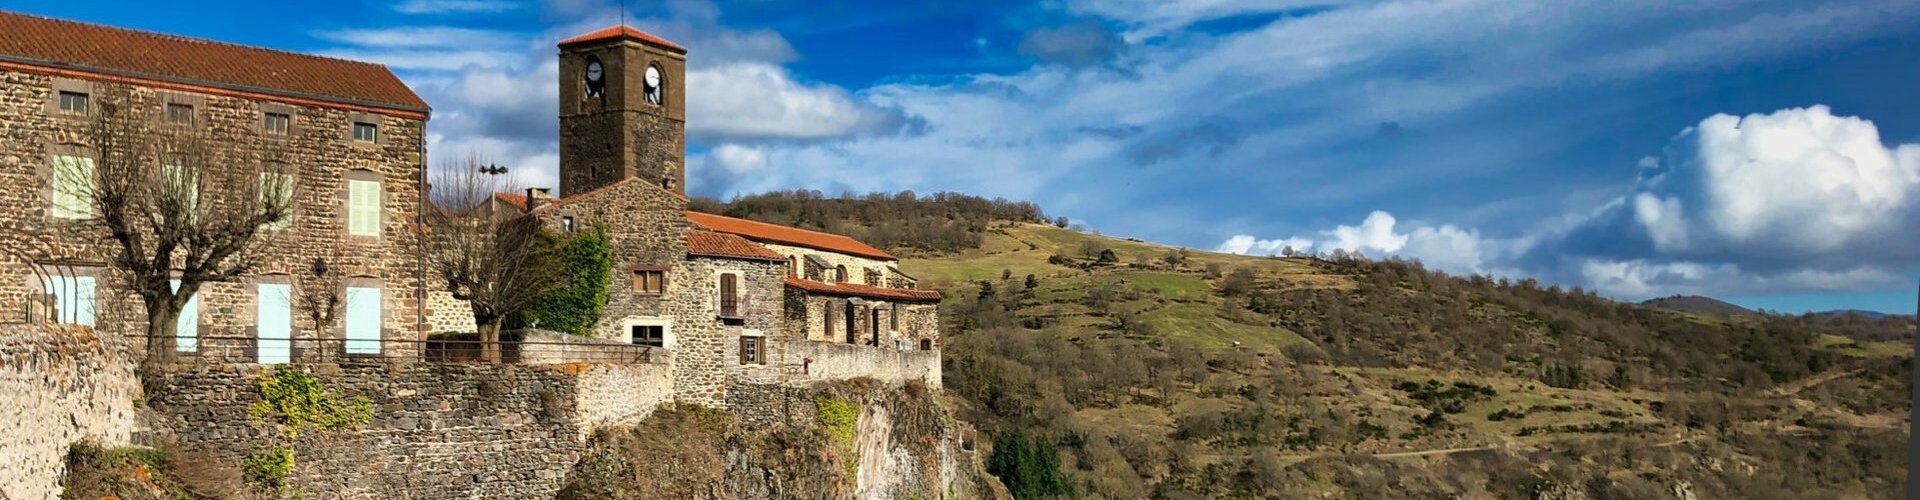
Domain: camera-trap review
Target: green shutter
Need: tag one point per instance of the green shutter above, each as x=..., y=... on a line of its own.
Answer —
x=363, y=208
x=72, y=187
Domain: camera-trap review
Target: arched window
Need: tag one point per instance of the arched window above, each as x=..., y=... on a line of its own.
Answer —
x=840, y=274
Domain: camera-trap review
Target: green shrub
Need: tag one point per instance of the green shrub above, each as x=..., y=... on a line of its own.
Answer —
x=268, y=468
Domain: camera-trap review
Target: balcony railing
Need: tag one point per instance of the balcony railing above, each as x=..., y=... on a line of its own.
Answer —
x=735, y=307
x=228, y=349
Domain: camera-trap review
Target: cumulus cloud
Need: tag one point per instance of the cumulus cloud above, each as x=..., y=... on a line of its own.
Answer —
x=758, y=101
x=1444, y=247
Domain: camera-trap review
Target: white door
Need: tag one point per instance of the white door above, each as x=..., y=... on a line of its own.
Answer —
x=363, y=320
x=187, y=330
x=275, y=323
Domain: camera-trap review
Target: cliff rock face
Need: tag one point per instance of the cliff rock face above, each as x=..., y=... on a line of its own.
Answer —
x=853, y=440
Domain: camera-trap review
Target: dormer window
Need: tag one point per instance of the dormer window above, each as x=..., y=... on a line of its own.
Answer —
x=74, y=102
x=365, y=132
x=179, y=113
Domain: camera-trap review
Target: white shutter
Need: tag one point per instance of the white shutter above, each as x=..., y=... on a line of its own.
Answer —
x=187, y=329
x=72, y=187
x=363, y=208
x=363, y=320
x=277, y=187
x=274, y=323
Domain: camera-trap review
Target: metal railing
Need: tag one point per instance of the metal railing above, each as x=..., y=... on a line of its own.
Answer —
x=232, y=349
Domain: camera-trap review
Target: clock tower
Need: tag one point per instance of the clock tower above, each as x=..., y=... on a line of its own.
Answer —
x=623, y=110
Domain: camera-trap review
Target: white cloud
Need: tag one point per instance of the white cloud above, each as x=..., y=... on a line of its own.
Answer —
x=453, y=6
x=764, y=101
x=1248, y=245
x=1443, y=247
x=739, y=159
x=1798, y=179
x=417, y=37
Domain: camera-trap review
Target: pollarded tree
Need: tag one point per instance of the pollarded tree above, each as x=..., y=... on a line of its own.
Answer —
x=487, y=253
x=174, y=207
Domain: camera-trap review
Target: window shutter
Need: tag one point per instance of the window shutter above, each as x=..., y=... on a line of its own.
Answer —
x=72, y=187
x=363, y=320
x=363, y=208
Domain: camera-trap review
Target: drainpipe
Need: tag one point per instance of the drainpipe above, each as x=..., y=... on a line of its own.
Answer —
x=420, y=241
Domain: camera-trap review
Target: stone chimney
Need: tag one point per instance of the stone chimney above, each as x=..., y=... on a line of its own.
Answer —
x=537, y=197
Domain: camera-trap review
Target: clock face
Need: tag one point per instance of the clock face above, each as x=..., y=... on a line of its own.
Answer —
x=653, y=92
x=593, y=71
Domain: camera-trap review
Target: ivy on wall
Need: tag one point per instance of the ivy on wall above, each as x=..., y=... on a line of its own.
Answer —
x=291, y=401
x=574, y=308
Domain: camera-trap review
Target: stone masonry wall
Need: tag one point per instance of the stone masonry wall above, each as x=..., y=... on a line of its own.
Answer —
x=318, y=150
x=454, y=430
x=707, y=348
x=61, y=385
x=832, y=361
x=646, y=228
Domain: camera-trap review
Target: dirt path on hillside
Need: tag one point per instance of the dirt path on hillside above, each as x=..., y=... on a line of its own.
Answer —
x=1806, y=383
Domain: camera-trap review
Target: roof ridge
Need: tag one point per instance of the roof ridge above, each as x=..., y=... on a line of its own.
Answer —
x=189, y=39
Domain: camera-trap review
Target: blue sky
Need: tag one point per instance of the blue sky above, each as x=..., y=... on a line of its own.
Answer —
x=1766, y=152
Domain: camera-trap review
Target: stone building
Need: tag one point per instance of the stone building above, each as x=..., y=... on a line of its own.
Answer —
x=349, y=133
x=732, y=301
x=736, y=301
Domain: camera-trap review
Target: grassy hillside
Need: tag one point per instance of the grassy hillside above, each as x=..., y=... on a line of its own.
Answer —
x=1190, y=374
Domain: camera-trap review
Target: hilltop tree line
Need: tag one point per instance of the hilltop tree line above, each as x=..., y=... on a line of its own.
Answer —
x=903, y=221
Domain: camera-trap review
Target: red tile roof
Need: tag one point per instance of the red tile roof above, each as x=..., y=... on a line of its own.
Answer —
x=623, y=31
x=853, y=290
x=711, y=244
x=91, y=50
x=520, y=200
x=513, y=200
x=761, y=231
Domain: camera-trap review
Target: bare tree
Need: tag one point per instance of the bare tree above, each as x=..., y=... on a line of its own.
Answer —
x=321, y=294
x=487, y=253
x=171, y=203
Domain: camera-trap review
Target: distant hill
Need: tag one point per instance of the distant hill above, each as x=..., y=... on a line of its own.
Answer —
x=1699, y=305
x=1861, y=313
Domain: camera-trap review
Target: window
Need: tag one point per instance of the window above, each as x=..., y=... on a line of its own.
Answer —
x=650, y=281
x=276, y=190
x=363, y=208
x=277, y=123
x=363, y=320
x=179, y=113
x=566, y=223
x=653, y=335
x=828, y=316
x=840, y=274
x=186, y=330
x=183, y=186
x=893, y=316
x=72, y=298
x=365, y=132
x=72, y=187
x=753, y=350
x=793, y=265
x=73, y=102
x=730, y=295
x=926, y=344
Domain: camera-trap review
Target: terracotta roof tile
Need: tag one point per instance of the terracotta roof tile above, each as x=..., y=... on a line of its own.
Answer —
x=711, y=244
x=761, y=231
x=620, y=32
x=64, y=45
x=854, y=290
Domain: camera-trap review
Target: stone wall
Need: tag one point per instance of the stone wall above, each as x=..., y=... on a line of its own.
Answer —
x=318, y=151
x=832, y=361
x=452, y=430
x=856, y=266
x=61, y=385
x=446, y=314
x=707, y=349
x=646, y=229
